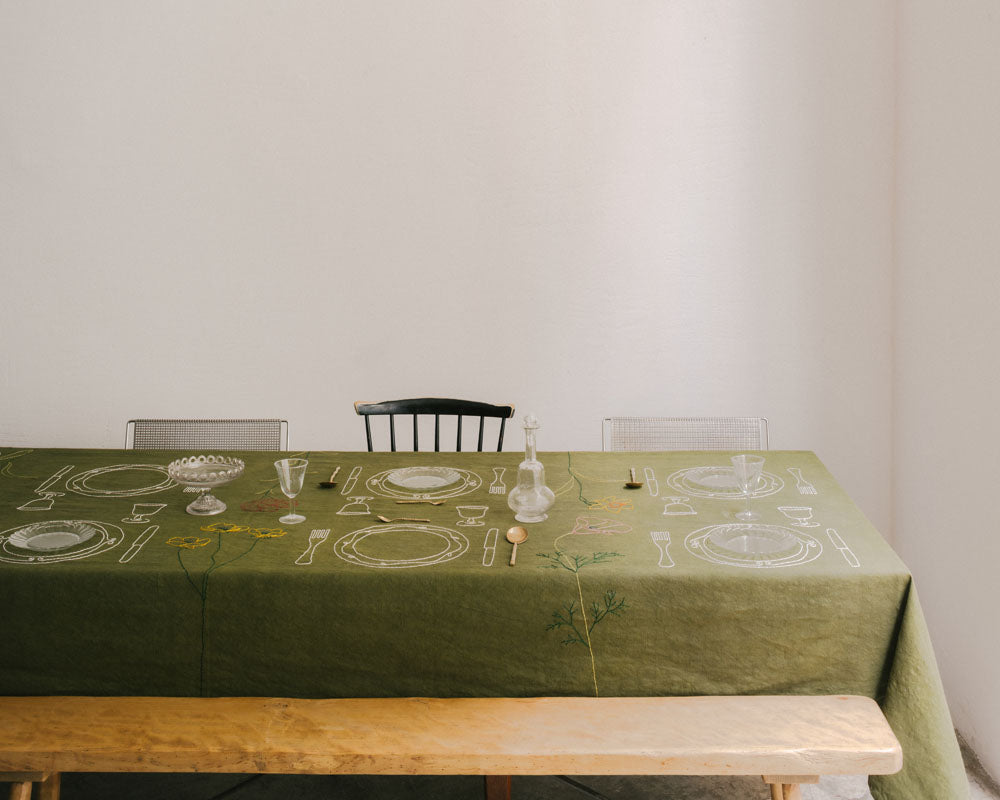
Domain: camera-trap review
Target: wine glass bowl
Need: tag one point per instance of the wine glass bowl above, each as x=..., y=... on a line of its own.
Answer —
x=747, y=470
x=291, y=474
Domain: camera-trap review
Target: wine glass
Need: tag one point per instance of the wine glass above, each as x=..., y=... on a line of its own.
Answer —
x=291, y=473
x=746, y=470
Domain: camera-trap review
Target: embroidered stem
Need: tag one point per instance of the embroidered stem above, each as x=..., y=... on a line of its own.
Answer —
x=586, y=629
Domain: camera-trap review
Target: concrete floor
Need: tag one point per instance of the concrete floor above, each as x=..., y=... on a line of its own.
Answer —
x=84, y=786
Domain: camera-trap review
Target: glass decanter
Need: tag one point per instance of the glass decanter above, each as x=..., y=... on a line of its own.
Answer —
x=531, y=498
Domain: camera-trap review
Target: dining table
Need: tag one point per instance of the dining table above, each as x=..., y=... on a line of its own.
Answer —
x=400, y=582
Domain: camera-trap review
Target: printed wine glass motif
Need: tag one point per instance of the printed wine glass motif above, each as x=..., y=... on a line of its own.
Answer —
x=572, y=619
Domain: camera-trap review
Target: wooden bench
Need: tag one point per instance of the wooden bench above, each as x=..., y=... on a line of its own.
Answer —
x=787, y=740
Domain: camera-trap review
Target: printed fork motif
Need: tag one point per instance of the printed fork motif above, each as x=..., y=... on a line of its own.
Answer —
x=498, y=486
x=662, y=540
x=801, y=483
x=316, y=538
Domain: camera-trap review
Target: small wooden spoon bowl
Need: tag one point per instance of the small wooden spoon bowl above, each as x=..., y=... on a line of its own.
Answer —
x=516, y=536
x=633, y=483
x=330, y=483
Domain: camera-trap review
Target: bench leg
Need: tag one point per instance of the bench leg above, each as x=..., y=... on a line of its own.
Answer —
x=49, y=788
x=786, y=787
x=497, y=787
x=20, y=790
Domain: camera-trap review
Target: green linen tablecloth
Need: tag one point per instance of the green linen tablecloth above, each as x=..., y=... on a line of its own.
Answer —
x=620, y=592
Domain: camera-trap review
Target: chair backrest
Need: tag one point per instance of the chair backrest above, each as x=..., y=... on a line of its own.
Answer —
x=213, y=434
x=438, y=407
x=685, y=433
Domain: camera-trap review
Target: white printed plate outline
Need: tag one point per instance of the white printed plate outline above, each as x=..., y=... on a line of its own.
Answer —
x=685, y=482
x=108, y=537
x=78, y=483
x=808, y=548
x=455, y=545
x=380, y=485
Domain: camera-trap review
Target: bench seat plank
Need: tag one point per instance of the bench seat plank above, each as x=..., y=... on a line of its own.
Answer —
x=780, y=735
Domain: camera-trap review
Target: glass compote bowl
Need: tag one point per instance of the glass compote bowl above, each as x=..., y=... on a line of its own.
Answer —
x=291, y=474
x=472, y=515
x=746, y=471
x=800, y=515
x=202, y=474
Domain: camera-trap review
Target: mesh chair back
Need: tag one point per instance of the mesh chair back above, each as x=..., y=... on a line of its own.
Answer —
x=206, y=434
x=685, y=433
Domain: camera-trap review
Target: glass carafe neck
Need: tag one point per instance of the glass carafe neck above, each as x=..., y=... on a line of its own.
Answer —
x=530, y=426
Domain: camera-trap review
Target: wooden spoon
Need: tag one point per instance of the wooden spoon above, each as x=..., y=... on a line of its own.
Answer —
x=633, y=484
x=380, y=518
x=329, y=484
x=515, y=536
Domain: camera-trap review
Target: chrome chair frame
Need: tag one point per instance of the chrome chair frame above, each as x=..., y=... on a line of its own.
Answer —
x=206, y=434
x=684, y=433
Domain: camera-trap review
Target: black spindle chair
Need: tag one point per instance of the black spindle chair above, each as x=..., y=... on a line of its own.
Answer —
x=438, y=407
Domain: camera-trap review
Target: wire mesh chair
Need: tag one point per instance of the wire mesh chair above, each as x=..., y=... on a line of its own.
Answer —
x=438, y=407
x=213, y=434
x=685, y=433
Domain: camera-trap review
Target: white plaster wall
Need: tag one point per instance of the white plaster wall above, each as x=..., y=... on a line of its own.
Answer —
x=948, y=334
x=582, y=207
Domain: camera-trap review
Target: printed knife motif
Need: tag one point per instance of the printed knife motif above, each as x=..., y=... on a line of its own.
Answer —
x=138, y=544
x=845, y=551
x=490, y=546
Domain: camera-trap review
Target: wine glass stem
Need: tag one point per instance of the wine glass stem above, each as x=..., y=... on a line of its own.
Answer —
x=291, y=506
x=749, y=493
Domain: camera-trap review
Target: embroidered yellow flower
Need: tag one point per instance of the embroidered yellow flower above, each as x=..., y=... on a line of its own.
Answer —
x=266, y=533
x=190, y=542
x=223, y=527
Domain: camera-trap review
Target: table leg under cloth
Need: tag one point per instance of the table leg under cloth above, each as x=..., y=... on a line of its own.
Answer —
x=914, y=703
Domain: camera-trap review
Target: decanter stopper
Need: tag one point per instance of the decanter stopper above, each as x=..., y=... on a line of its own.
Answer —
x=530, y=499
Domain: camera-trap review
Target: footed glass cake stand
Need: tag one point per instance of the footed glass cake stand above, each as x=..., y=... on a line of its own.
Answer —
x=203, y=474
